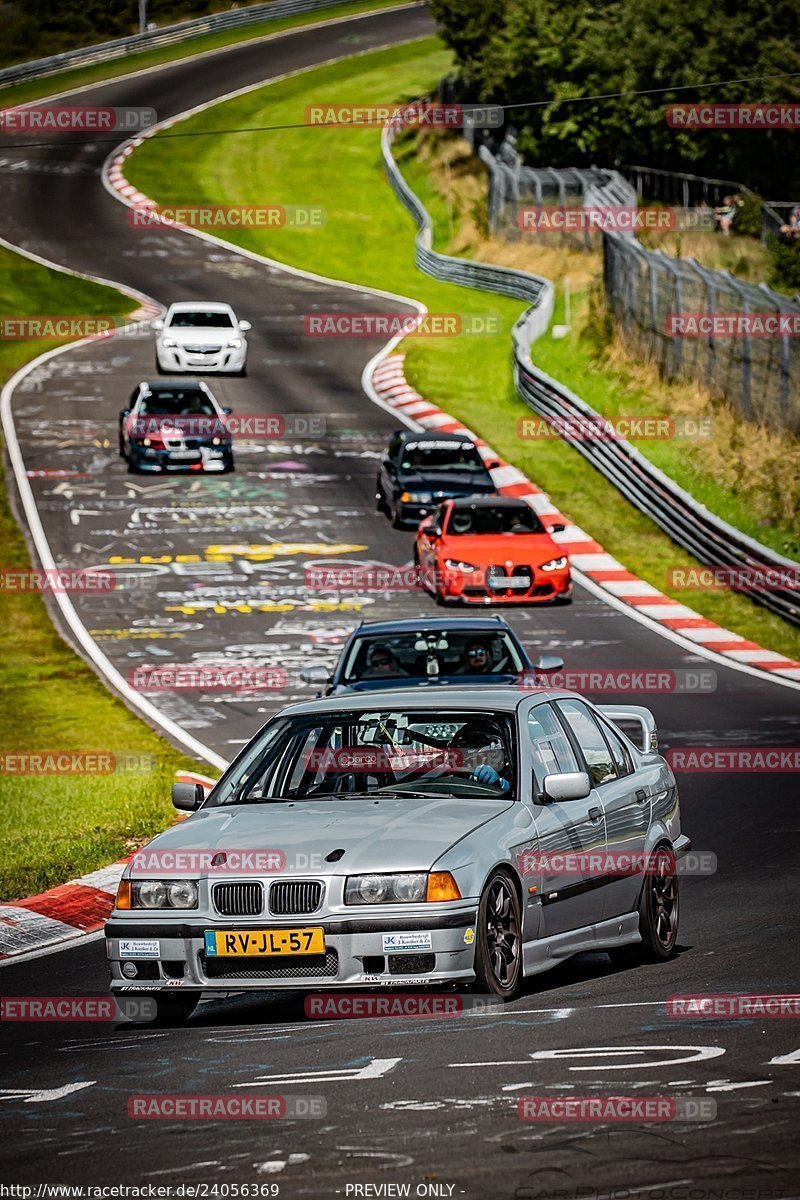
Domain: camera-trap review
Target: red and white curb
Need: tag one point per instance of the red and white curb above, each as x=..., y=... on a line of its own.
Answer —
x=69, y=911
x=586, y=555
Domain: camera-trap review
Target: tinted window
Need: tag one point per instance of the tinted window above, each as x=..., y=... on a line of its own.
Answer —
x=348, y=753
x=176, y=401
x=200, y=319
x=590, y=740
x=421, y=655
x=550, y=747
x=439, y=456
x=472, y=519
x=619, y=751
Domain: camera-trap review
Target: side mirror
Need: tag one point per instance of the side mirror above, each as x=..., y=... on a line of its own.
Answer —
x=124, y=412
x=188, y=796
x=569, y=785
x=316, y=674
x=558, y=527
x=227, y=410
x=548, y=662
x=434, y=531
x=245, y=326
x=157, y=325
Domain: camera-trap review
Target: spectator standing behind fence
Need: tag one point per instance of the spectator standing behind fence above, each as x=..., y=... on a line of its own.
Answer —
x=725, y=213
x=791, y=232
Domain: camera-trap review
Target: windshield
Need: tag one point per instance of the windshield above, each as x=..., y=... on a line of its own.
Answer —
x=440, y=456
x=200, y=319
x=502, y=519
x=176, y=402
x=430, y=655
x=345, y=754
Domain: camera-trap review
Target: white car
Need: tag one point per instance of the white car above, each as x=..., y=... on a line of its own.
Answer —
x=197, y=338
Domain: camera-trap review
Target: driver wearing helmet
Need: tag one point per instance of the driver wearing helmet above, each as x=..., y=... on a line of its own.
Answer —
x=484, y=753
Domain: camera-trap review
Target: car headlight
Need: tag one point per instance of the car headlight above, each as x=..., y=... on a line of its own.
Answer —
x=455, y=564
x=168, y=343
x=416, y=497
x=407, y=888
x=234, y=343
x=162, y=893
x=555, y=564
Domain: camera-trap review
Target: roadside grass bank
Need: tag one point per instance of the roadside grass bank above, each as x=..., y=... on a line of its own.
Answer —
x=745, y=473
x=63, y=81
x=56, y=827
x=368, y=239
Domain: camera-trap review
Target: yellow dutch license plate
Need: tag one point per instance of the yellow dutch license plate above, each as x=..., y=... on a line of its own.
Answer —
x=251, y=943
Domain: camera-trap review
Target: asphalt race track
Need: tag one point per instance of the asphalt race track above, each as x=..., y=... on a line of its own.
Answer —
x=417, y=1102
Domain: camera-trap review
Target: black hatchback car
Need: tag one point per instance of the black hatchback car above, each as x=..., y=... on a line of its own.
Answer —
x=174, y=425
x=420, y=470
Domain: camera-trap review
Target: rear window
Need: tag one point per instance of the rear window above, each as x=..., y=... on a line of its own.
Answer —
x=437, y=456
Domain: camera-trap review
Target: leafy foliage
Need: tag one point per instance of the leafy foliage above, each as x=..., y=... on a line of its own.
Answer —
x=549, y=58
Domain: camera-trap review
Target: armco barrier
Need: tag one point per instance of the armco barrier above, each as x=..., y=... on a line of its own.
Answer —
x=120, y=47
x=711, y=540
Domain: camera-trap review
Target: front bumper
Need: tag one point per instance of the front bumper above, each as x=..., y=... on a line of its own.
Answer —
x=355, y=953
x=542, y=588
x=198, y=456
x=224, y=361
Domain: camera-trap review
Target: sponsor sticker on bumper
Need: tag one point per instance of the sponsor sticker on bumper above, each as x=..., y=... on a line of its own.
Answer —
x=407, y=941
x=139, y=948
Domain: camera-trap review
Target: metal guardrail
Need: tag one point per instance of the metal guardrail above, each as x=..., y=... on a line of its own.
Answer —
x=503, y=281
x=711, y=540
x=121, y=47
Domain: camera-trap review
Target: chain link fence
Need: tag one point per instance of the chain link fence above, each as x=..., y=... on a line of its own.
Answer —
x=749, y=354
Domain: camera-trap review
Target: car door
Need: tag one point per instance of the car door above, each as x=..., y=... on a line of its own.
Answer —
x=567, y=832
x=123, y=419
x=626, y=806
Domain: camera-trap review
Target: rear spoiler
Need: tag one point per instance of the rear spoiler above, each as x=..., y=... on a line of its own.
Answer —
x=642, y=717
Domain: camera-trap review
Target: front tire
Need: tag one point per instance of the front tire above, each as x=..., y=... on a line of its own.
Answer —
x=498, y=948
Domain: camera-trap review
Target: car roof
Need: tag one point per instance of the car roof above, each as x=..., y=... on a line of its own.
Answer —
x=409, y=625
x=479, y=698
x=424, y=435
x=194, y=305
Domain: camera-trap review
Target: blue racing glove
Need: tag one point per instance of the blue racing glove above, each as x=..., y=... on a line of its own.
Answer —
x=486, y=774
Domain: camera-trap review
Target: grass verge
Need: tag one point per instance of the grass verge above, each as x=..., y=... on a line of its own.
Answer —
x=55, y=827
x=368, y=239
x=63, y=81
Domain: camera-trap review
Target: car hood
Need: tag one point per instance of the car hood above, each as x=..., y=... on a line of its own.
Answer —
x=392, y=835
x=450, y=483
x=534, y=548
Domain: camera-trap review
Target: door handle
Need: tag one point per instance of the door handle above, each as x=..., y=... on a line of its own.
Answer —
x=595, y=814
x=641, y=795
